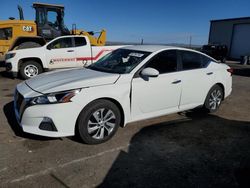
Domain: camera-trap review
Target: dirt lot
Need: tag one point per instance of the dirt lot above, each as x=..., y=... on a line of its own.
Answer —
x=189, y=149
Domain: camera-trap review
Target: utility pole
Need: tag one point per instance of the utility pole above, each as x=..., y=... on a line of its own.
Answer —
x=190, y=41
x=142, y=41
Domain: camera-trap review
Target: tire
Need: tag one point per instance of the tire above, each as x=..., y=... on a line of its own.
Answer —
x=30, y=69
x=91, y=128
x=26, y=45
x=214, y=99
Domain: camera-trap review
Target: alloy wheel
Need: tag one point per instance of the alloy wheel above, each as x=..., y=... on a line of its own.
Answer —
x=101, y=123
x=215, y=99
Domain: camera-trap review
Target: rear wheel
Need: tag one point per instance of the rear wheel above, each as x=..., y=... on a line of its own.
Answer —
x=98, y=122
x=214, y=98
x=30, y=69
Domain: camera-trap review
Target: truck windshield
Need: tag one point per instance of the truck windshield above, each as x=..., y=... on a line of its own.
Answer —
x=119, y=61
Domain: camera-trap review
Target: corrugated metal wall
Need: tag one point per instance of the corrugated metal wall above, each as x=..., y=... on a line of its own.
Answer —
x=222, y=32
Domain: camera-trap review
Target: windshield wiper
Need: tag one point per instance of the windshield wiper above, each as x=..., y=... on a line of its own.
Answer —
x=100, y=69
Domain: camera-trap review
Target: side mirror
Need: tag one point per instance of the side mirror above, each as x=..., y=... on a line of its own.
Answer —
x=150, y=72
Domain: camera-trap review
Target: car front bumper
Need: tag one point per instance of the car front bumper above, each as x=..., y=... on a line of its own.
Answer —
x=11, y=64
x=52, y=120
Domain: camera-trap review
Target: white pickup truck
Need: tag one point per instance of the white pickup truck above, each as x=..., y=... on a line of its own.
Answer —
x=62, y=52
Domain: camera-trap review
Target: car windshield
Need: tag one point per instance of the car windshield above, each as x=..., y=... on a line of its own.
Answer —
x=119, y=61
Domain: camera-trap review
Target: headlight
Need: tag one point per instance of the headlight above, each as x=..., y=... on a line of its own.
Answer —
x=9, y=55
x=52, y=98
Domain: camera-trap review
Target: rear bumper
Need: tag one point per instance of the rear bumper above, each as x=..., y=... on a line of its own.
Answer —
x=228, y=86
x=228, y=92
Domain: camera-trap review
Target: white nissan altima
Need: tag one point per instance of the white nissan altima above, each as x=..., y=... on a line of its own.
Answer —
x=130, y=84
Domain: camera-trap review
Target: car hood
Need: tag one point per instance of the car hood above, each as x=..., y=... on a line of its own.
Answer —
x=28, y=50
x=62, y=80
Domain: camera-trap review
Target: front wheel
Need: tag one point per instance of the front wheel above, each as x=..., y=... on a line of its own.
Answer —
x=98, y=122
x=30, y=69
x=214, y=98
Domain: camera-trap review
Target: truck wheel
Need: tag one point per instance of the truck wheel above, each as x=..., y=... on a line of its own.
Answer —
x=28, y=45
x=98, y=122
x=30, y=69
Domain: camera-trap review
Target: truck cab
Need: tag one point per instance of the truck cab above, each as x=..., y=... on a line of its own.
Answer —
x=217, y=51
x=62, y=52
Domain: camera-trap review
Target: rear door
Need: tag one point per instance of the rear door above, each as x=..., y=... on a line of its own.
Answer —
x=196, y=78
x=61, y=53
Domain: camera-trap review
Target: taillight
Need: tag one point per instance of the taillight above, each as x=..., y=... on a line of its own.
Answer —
x=230, y=70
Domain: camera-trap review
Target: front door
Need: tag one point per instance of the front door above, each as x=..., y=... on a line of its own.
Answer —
x=61, y=53
x=155, y=96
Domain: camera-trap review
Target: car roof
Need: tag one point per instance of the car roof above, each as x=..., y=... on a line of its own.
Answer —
x=153, y=48
x=69, y=36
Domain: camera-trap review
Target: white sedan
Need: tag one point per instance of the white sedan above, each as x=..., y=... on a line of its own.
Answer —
x=129, y=84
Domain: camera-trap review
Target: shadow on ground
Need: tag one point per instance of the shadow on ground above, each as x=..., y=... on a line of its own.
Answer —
x=202, y=151
x=10, y=115
x=5, y=74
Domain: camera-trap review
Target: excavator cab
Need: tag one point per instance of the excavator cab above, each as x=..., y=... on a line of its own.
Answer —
x=50, y=20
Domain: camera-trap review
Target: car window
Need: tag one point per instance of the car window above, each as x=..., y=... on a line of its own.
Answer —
x=164, y=62
x=62, y=43
x=120, y=61
x=205, y=61
x=80, y=41
x=191, y=60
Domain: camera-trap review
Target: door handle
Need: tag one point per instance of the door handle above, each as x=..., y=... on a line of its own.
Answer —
x=70, y=51
x=176, y=82
x=209, y=73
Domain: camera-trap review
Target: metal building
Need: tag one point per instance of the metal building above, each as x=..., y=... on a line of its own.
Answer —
x=235, y=33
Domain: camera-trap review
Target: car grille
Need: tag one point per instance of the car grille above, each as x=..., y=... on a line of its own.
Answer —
x=20, y=103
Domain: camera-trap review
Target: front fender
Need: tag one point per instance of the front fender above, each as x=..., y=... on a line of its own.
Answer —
x=119, y=93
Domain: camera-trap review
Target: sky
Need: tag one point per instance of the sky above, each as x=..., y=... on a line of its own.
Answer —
x=154, y=21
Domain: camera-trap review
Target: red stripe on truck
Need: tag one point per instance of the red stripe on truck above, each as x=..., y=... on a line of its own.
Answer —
x=92, y=58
